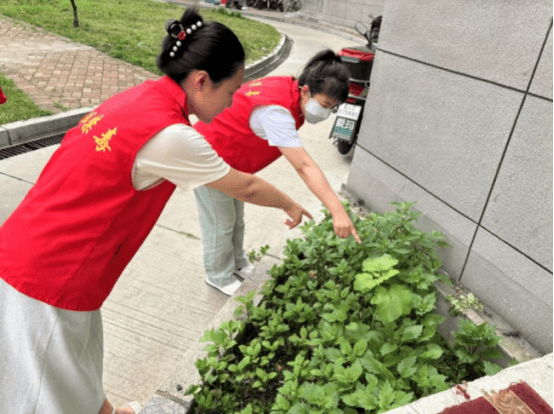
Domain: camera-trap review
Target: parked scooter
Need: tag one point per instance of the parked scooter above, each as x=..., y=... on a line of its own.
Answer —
x=359, y=60
x=269, y=4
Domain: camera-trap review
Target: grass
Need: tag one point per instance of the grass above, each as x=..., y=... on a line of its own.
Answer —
x=19, y=106
x=131, y=30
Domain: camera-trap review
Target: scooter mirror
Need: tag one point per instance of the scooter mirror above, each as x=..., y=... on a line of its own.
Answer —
x=361, y=28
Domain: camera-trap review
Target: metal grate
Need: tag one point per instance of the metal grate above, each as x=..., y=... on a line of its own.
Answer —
x=30, y=146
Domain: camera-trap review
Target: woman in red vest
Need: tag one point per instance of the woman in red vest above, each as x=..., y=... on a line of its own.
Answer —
x=64, y=247
x=258, y=128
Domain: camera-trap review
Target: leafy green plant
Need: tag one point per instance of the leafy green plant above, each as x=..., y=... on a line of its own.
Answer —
x=342, y=328
x=473, y=348
x=254, y=256
x=461, y=302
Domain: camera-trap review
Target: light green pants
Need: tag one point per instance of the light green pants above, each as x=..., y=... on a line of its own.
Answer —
x=222, y=228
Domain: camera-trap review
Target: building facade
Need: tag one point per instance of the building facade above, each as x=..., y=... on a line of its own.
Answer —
x=459, y=119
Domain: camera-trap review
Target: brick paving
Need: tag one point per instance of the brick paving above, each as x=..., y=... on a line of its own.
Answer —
x=59, y=74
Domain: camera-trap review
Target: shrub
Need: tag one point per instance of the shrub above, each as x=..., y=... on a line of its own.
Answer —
x=342, y=328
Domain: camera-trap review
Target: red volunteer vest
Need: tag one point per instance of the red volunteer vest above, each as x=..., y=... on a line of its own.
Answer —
x=74, y=233
x=230, y=134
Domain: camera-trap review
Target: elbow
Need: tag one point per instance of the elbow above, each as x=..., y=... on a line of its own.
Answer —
x=248, y=189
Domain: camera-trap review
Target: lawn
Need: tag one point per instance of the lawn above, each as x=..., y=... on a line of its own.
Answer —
x=18, y=106
x=131, y=30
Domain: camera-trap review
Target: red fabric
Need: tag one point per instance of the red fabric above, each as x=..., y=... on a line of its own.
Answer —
x=78, y=227
x=482, y=406
x=2, y=97
x=230, y=134
x=357, y=54
x=530, y=397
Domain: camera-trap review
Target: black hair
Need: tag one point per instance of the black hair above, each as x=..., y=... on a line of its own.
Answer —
x=326, y=73
x=212, y=47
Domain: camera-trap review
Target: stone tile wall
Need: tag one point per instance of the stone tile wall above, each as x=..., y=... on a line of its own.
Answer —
x=459, y=118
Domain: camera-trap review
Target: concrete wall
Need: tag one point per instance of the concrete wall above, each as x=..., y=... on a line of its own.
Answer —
x=342, y=12
x=459, y=119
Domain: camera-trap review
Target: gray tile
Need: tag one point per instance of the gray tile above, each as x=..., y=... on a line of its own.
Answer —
x=520, y=208
x=542, y=81
x=513, y=286
x=29, y=165
x=446, y=132
x=379, y=185
x=13, y=191
x=497, y=41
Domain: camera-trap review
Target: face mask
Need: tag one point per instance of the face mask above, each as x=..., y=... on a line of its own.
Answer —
x=315, y=112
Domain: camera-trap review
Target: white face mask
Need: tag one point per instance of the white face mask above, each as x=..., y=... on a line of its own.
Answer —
x=315, y=112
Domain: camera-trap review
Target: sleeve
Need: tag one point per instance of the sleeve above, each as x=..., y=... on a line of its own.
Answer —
x=276, y=125
x=180, y=155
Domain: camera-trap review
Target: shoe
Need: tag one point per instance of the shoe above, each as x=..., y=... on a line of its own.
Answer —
x=229, y=290
x=135, y=406
x=244, y=272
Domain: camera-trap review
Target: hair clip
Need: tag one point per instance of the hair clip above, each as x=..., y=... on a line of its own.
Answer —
x=171, y=24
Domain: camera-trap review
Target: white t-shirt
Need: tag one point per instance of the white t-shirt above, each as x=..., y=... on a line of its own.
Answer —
x=180, y=155
x=276, y=125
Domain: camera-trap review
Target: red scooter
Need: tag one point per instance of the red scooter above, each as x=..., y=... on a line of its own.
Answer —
x=359, y=60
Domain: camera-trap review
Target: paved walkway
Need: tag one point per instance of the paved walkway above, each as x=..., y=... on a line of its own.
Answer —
x=161, y=305
x=59, y=74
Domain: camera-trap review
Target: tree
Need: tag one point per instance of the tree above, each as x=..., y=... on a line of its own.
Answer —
x=75, y=17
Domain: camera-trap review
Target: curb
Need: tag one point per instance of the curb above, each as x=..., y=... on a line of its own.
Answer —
x=316, y=24
x=21, y=132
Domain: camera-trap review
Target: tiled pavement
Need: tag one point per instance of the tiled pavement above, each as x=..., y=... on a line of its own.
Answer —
x=59, y=74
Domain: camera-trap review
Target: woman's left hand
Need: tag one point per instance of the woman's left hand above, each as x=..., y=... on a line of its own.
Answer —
x=344, y=227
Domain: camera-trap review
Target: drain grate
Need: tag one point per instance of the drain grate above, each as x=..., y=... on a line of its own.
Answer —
x=30, y=146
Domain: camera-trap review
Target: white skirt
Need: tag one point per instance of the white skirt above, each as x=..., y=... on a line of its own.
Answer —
x=50, y=358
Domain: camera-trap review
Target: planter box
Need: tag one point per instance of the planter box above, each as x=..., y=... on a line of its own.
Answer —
x=170, y=398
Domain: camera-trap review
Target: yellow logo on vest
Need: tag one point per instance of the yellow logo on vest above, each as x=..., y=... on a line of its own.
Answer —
x=252, y=93
x=103, y=143
x=255, y=83
x=89, y=121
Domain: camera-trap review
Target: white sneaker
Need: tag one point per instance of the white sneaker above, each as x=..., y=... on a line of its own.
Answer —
x=229, y=290
x=244, y=272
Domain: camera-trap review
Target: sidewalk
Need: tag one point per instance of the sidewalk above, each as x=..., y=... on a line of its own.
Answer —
x=161, y=306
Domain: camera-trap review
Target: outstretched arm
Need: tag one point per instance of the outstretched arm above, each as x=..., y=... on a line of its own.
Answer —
x=319, y=186
x=252, y=189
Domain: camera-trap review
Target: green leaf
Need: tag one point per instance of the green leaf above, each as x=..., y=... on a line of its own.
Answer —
x=406, y=367
x=299, y=408
x=434, y=351
x=386, y=396
x=491, y=368
x=388, y=348
x=379, y=264
x=365, y=281
x=245, y=361
x=359, y=347
x=392, y=303
x=412, y=332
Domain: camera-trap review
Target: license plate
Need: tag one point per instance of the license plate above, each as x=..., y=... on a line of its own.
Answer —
x=343, y=129
x=349, y=111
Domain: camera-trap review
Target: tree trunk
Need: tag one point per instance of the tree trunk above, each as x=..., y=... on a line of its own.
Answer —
x=75, y=17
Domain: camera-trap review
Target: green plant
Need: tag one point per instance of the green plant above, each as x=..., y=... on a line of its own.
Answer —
x=342, y=328
x=254, y=256
x=472, y=350
x=461, y=302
